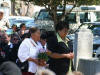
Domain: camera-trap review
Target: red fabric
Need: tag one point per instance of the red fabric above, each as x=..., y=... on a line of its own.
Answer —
x=27, y=73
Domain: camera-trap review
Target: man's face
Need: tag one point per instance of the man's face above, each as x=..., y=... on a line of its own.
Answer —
x=15, y=40
x=1, y=15
x=5, y=38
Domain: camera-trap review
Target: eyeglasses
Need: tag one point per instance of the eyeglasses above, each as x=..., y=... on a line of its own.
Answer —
x=15, y=39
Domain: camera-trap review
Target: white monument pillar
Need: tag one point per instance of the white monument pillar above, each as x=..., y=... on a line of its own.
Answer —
x=83, y=45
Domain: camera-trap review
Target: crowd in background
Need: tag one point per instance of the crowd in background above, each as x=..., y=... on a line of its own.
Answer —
x=10, y=44
x=19, y=49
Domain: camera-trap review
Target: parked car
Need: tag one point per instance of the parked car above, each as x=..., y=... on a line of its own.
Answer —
x=96, y=41
x=17, y=20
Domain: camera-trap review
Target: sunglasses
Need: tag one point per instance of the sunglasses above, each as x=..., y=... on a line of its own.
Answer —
x=15, y=39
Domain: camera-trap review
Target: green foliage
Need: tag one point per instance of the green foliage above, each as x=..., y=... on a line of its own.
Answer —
x=13, y=0
x=89, y=2
x=43, y=56
x=59, y=2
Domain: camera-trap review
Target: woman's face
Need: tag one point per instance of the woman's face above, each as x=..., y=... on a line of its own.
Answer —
x=14, y=28
x=63, y=32
x=36, y=35
x=23, y=28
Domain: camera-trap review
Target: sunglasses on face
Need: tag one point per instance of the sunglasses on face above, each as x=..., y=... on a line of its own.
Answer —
x=15, y=39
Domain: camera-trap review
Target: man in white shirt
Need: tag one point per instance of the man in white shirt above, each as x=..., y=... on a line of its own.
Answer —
x=4, y=23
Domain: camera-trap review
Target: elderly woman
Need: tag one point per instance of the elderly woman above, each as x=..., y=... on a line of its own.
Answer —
x=61, y=50
x=28, y=51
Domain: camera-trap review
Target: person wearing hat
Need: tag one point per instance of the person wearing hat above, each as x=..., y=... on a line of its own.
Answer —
x=4, y=23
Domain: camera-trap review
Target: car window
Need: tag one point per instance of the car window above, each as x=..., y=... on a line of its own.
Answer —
x=84, y=17
x=72, y=18
x=97, y=14
x=96, y=31
x=44, y=15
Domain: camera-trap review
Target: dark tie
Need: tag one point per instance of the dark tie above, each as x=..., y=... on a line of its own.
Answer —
x=43, y=47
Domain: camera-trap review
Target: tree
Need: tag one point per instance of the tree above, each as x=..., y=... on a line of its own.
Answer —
x=52, y=5
x=13, y=7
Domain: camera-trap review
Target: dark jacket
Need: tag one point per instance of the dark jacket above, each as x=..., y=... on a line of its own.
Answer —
x=58, y=65
x=11, y=53
x=2, y=53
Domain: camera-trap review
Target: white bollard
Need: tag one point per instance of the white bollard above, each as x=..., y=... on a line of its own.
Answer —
x=83, y=45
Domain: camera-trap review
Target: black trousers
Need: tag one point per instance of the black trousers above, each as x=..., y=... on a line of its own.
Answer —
x=58, y=72
x=61, y=73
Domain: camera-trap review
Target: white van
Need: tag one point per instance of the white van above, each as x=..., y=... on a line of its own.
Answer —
x=79, y=15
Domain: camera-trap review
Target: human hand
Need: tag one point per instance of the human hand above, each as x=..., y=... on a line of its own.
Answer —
x=36, y=61
x=42, y=62
x=69, y=55
x=72, y=55
x=48, y=52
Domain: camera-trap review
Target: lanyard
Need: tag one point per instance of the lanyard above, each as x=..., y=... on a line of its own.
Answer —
x=32, y=43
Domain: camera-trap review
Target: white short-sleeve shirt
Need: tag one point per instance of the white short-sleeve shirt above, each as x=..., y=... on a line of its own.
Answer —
x=28, y=50
x=4, y=24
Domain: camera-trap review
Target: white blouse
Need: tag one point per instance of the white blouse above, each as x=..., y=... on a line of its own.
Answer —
x=28, y=50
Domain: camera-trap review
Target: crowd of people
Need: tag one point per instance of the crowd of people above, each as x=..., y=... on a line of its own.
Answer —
x=20, y=47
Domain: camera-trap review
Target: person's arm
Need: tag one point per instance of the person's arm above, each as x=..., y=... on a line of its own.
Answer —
x=52, y=45
x=58, y=56
x=33, y=60
x=23, y=54
x=36, y=61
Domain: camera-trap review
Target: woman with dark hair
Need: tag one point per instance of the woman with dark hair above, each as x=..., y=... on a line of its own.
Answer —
x=61, y=51
x=28, y=51
x=14, y=28
x=22, y=29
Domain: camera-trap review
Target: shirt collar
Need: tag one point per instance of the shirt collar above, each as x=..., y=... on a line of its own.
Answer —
x=60, y=39
x=9, y=43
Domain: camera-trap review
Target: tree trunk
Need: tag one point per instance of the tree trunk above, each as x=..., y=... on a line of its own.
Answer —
x=55, y=18
x=54, y=9
x=13, y=7
x=28, y=5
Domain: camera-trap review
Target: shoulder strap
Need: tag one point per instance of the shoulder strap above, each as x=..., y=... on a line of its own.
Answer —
x=32, y=43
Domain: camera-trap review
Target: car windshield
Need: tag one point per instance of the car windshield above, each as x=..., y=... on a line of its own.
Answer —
x=18, y=22
x=72, y=17
x=44, y=15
